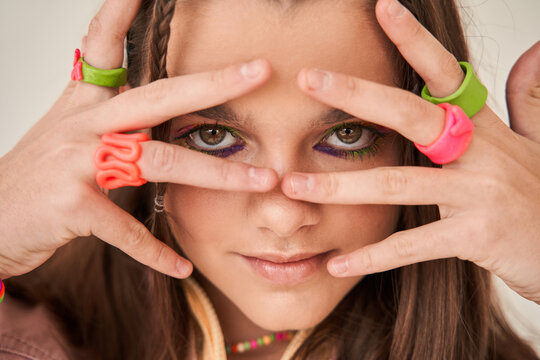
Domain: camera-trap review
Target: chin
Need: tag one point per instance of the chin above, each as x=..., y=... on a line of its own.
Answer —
x=296, y=308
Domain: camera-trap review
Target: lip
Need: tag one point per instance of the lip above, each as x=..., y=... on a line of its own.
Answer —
x=287, y=269
x=280, y=258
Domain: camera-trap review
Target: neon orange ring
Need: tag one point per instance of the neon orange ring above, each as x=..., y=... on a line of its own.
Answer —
x=116, y=160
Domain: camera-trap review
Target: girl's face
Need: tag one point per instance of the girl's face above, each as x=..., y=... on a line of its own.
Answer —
x=281, y=128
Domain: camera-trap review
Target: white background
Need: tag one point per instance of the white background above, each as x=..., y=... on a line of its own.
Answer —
x=37, y=40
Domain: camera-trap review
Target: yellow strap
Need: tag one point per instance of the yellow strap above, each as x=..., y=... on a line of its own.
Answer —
x=205, y=314
x=214, y=345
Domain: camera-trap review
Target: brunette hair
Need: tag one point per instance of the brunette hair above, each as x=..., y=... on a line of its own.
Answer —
x=114, y=307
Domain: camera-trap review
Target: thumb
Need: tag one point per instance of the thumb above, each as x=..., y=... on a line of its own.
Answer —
x=523, y=94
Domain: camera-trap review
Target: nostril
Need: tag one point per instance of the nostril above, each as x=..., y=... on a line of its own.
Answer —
x=283, y=216
x=283, y=233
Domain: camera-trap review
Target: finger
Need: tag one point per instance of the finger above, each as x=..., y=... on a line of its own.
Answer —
x=105, y=42
x=523, y=94
x=437, y=240
x=403, y=111
x=428, y=57
x=107, y=31
x=83, y=43
x=382, y=185
x=161, y=162
x=150, y=105
x=114, y=226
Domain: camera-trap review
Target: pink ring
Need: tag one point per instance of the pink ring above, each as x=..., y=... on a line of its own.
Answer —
x=455, y=138
x=2, y=290
x=116, y=160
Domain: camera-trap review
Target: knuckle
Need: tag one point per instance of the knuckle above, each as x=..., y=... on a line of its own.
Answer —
x=330, y=185
x=495, y=190
x=366, y=260
x=161, y=255
x=448, y=71
x=480, y=231
x=70, y=206
x=116, y=35
x=421, y=110
x=136, y=235
x=155, y=93
x=4, y=272
x=98, y=27
x=445, y=212
x=351, y=91
x=226, y=171
x=411, y=108
x=64, y=152
x=218, y=78
x=449, y=66
x=392, y=181
x=413, y=33
x=164, y=157
x=404, y=246
x=95, y=28
x=416, y=31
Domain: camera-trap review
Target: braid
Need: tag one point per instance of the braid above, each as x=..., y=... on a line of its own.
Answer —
x=174, y=347
x=160, y=34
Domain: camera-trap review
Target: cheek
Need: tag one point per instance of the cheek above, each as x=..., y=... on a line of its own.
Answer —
x=207, y=224
x=208, y=217
x=360, y=225
x=201, y=218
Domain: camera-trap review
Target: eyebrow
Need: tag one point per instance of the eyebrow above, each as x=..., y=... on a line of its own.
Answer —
x=223, y=113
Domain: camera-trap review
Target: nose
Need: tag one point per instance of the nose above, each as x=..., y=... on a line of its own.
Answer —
x=280, y=215
x=273, y=211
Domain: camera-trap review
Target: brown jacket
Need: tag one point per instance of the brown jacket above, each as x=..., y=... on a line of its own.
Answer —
x=31, y=333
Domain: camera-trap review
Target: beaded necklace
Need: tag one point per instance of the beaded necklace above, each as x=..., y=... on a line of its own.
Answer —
x=265, y=340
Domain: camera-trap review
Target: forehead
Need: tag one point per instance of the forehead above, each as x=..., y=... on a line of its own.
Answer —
x=338, y=35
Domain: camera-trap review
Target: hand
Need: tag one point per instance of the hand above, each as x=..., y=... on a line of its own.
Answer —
x=48, y=193
x=488, y=199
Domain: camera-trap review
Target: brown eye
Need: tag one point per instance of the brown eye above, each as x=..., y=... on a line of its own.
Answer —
x=212, y=135
x=349, y=134
x=210, y=138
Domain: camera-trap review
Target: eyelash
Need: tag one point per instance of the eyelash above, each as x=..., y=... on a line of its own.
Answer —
x=369, y=150
x=225, y=152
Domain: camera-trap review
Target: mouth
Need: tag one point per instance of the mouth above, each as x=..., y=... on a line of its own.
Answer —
x=287, y=270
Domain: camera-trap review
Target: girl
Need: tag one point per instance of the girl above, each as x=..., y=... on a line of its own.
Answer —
x=302, y=173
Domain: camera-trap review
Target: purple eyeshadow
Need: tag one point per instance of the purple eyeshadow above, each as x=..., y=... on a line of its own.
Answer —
x=225, y=152
x=328, y=150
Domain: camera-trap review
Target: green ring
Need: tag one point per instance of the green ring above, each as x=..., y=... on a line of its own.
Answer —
x=109, y=78
x=471, y=95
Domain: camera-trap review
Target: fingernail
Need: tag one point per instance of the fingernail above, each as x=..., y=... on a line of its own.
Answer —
x=317, y=79
x=395, y=9
x=339, y=265
x=251, y=70
x=301, y=184
x=258, y=176
x=183, y=268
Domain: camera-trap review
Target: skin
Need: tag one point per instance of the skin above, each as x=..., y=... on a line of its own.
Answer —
x=217, y=225
x=488, y=198
x=61, y=199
